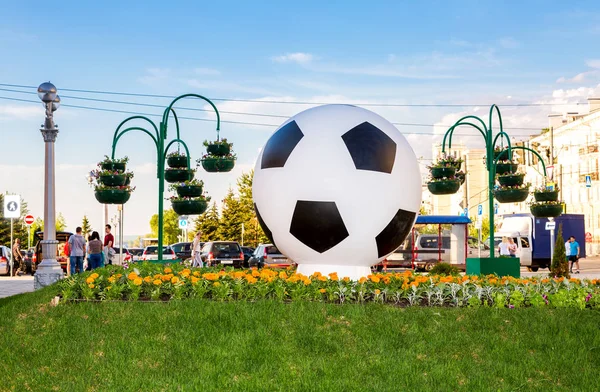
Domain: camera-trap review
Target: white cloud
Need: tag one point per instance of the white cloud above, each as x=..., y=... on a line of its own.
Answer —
x=593, y=63
x=298, y=57
x=580, y=77
x=155, y=75
x=22, y=112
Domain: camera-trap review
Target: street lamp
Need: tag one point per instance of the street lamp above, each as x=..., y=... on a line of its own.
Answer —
x=49, y=270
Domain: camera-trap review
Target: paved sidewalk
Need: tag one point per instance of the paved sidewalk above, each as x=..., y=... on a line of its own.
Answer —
x=15, y=285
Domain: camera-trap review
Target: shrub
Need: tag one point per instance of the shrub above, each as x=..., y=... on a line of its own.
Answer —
x=444, y=269
x=560, y=265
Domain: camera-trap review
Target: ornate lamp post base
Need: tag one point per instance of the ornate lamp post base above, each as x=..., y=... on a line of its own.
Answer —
x=48, y=271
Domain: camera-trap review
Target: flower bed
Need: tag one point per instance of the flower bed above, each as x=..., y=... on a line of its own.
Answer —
x=148, y=281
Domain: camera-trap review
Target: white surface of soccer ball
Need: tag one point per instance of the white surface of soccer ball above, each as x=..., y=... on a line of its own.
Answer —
x=337, y=188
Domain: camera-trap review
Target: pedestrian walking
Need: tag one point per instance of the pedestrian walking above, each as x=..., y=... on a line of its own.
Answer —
x=95, y=248
x=568, y=252
x=77, y=245
x=574, y=254
x=503, y=247
x=512, y=247
x=109, y=241
x=17, y=259
x=196, y=248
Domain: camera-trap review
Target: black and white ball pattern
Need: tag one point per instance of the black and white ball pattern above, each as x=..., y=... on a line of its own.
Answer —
x=337, y=186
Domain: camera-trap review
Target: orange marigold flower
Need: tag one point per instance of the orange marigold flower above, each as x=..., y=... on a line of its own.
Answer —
x=157, y=282
x=251, y=279
x=94, y=275
x=91, y=286
x=322, y=278
x=346, y=279
x=174, y=280
x=112, y=279
x=194, y=280
x=186, y=271
x=196, y=274
x=132, y=276
x=255, y=273
x=168, y=270
x=137, y=281
x=147, y=279
x=283, y=275
x=89, y=280
x=333, y=276
x=362, y=280
x=322, y=291
x=374, y=278
x=166, y=278
x=210, y=276
x=307, y=281
x=377, y=291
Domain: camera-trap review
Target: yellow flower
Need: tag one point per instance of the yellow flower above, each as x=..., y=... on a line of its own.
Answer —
x=174, y=279
x=147, y=279
x=132, y=276
x=216, y=284
x=322, y=291
x=362, y=280
x=210, y=276
x=89, y=280
x=94, y=275
x=346, y=279
x=307, y=282
x=137, y=281
x=194, y=280
x=377, y=291
x=333, y=276
x=91, y=286
x=166, y=278
x=157, y=282
x=108, y=288
x=282, y=275
x=168, y=270
x=196, y=274
x=112, y=279
x=374, y=279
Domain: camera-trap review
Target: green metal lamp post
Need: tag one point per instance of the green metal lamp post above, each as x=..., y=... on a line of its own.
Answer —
x=159, y=137
x=491, y=161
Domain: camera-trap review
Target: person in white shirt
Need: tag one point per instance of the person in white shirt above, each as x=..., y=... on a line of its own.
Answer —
x=568, y=248
x=196, y=248
x=503, y=248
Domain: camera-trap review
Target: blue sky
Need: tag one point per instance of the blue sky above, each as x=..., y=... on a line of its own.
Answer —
x=360, y=52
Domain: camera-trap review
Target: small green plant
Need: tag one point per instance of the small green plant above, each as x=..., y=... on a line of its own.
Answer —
x=560, y=266
x=444, y=269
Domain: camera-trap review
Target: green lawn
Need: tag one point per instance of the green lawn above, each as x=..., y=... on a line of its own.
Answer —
x=205, y=345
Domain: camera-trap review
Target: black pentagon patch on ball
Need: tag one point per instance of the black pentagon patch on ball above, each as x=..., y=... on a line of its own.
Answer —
x=318, y=225
x=395, y=232
x=280, y=146
x=370, y=148
x=263, y=225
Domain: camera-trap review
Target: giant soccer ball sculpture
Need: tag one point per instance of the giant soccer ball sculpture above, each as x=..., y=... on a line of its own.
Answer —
x=337, y=188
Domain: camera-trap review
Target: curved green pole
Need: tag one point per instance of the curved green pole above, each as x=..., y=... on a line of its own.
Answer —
x=494, y=106
x=176, y=123
x=136, y=118
x=450, y=130
x=116, y=140
x=525, y=149
x=169, y=108
x=503, y=135
x=187, y=151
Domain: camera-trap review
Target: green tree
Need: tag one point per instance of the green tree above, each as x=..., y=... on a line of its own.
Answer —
x=253, y=233
x=171, y=228
x=208, y=224
x=85, y=226
x=38, y=226
x=20, y=229
x=230, y=224
x=560, y=265
x=485, y=228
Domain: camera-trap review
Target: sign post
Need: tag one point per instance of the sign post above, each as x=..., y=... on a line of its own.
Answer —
x=588, y=181
x=29, y=219
x=12, y=210
x=551, y=225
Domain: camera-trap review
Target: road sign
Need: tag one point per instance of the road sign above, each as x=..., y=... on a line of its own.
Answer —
x=183, y=224
x=588, y=181
x=550, y=186
x=496, y=208
x=550, y=225
x=479, y=209
x=12, y=206
x=588, y=236
x=29, y=219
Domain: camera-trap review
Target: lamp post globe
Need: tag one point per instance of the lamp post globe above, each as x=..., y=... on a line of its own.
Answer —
x=47, y=92
x=56, y=103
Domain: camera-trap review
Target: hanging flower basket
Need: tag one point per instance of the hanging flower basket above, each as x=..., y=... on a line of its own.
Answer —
x=546, y=209
x=113, y=179
x=543, y=194
x=456, y=163
x=506, y=167
x=511, y=194
x=189, y=206
x=118, y=165
x=177, y=161
x=461, y=176
x=499, y=151
x=441, y=172
x=113, y=196
x=444, y=187
x=218, y=148
x=214, y=164
x=178, y=175
x=511, y=179
x=189, y=190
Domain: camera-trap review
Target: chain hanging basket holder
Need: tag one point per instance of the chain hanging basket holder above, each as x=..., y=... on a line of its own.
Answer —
x=510, y=179
x=546, y=209
x=446, y=186
x=514, y=194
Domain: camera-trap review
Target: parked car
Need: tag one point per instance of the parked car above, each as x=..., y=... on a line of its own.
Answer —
x=268, y=254
x=4, y=260
x=226, y=253
x=151, y=253
x=126, y=255
x=248, y=252
x=62, y=237
x=183, y=250
x=136, y=253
